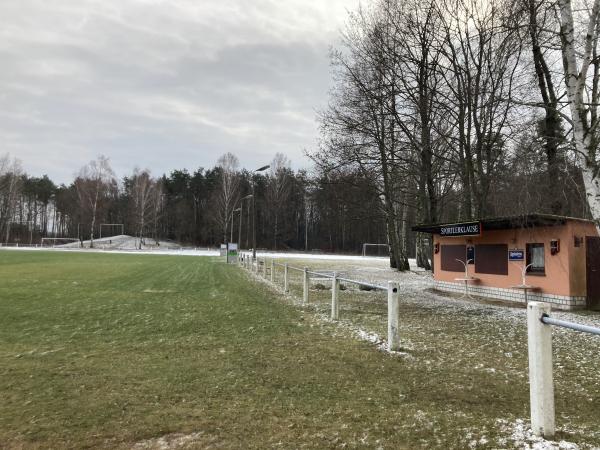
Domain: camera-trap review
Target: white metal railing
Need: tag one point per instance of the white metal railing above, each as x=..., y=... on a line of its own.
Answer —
x=246, y=260
x=541, y=383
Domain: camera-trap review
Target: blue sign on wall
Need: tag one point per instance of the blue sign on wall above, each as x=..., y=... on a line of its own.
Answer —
x=471, y=254
x=516, y=255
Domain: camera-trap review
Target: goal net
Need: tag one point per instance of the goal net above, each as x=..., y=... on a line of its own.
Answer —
x=382, y=250
x=59, y=242
x=111, y=229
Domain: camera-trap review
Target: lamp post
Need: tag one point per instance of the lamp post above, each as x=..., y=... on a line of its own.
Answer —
x=232, y=216
x=241, y=217
x=254, y=214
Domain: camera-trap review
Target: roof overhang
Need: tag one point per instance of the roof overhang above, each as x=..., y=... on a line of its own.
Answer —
x=504, y=223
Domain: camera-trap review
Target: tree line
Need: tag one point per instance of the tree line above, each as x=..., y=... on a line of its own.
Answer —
x=206, y=207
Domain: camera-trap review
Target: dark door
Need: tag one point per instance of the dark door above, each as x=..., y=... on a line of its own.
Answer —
x=592, y=245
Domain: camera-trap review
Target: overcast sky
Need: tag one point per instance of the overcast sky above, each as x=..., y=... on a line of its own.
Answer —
x=162, y=84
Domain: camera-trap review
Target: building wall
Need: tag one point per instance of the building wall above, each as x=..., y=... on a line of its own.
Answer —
x=578, y=255
x=564, y=280
x=513, y=295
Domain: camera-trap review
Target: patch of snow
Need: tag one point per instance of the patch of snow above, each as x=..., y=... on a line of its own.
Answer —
x=521, y=436
x=168, y=442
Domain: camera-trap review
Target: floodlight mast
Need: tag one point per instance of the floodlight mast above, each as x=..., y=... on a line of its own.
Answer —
x=254, y=213
x=232, y=216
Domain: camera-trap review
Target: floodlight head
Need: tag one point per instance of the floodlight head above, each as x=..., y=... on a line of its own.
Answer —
x=263, y=168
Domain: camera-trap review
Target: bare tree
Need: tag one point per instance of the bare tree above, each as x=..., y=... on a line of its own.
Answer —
x=11, y=174
x=278, y=190
x=483, y=53
x=144, y=190
x=227, y=193
x=540, y=15
x=93, y=185
x=360, y=128
x=579, y=31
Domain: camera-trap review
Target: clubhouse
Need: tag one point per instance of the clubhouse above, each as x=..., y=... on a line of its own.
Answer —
x=540, y=257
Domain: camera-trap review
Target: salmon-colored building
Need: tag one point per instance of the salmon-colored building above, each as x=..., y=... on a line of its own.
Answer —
x=538, y=257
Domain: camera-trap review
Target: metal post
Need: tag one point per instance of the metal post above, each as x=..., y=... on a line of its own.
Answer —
x=335, y=287
x=272, y=270
x=265, y=267
x=541, y=385
x=285, y=278
x=253, y=224
x=260, y=169
x=393, y=316
x=232, y=215
x=240, y=229
x=305, y=283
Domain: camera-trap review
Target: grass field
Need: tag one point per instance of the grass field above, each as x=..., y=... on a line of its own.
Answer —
x=117, y=351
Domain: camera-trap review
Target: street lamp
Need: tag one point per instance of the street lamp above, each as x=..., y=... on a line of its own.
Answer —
x=241, y=209
x=232, y=215
x=254, y=213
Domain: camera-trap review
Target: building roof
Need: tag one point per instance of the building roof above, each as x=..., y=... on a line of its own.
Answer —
x=506, y=223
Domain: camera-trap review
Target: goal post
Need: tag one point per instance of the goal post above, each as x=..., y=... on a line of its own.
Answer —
x=382, y=250
x=112, y=225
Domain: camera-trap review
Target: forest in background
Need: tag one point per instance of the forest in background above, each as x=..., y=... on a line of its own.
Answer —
x=440, y=111
x=293, y=210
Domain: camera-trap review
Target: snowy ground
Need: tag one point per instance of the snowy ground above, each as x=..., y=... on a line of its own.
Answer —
x=129, y=244
x=126, y=244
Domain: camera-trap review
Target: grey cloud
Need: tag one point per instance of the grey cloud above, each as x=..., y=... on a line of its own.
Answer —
x=160, y=84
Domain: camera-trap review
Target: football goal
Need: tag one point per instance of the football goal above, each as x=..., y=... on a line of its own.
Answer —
x=382, y=250
x=53, y=242
x=113, y=227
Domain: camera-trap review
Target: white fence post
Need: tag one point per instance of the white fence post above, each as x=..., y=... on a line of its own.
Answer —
x=393, y=316
x=335, y=288
x=541, y=385
x=285, y=278
x=272, y=270
x=305, y=283
x=265, y=267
